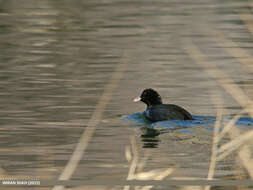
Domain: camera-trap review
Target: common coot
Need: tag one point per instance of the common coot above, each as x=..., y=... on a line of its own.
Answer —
x=157, y=111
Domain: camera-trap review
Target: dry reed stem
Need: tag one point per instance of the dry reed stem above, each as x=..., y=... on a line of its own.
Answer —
x=246, y=17
x=156, y=174
x=191, y=188
x=214, y=145
x=159, y=175
x=91, y=126
x=134, y=161
x=238, y=53
x=228, y=84
x=128, y=154
x=223, y=79
x=241, y=55
x=143, y=161
x=231, y=146
x=153, y=174
x=244, y=153
x=146, y=187
x=133, y=166
x=228, y=127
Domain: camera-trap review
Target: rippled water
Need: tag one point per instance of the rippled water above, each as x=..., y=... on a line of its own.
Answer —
x=58, y=56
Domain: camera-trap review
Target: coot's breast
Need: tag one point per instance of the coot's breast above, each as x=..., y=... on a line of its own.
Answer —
x=166, y=112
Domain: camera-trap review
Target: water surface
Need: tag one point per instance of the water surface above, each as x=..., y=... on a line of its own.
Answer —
x=58, y=56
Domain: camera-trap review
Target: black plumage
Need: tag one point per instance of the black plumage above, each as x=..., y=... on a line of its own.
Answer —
x=157, y=111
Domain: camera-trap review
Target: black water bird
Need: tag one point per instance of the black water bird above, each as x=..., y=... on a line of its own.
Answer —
x=157, y=111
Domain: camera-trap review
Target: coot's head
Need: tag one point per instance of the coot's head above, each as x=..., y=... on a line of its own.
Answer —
x=149, y=97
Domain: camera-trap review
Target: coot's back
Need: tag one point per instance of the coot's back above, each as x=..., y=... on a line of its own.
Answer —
x=166, y=111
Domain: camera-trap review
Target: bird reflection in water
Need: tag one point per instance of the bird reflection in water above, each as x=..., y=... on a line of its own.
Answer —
x=149, y=137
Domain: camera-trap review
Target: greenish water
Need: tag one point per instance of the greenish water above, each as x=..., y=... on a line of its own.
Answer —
x=58, y=56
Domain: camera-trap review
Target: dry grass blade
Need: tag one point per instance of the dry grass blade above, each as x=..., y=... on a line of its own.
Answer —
x=236, y=142
x=133, y=166
x=191, y=188
x=147, y=187
x=157, y=174
x=232, y=48
x=225, y=81
x=95, y=118
x=143, y=161
x=164, y=174
x=242, y=56
x=231, y=146
x=128, y=154
x=244, y=153
x=246, y=17
x=228, y=84
x=214, y=146
x=245, y=156
x=228, y=127
x=134, y=161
